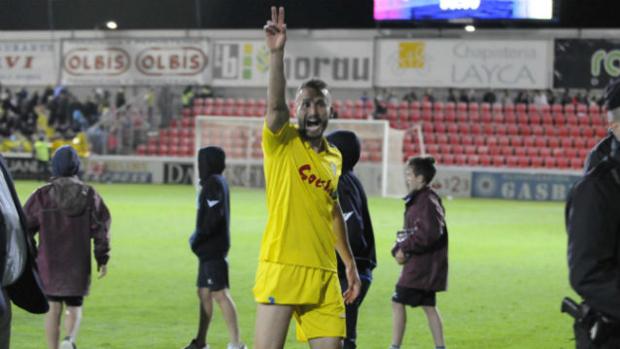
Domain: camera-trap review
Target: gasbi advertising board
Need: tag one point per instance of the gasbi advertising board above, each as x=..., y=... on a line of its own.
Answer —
x=585, y=63
x=26, y=63
x=500, y=64
x=340, y=63
x=129, y=61
x=522, y=186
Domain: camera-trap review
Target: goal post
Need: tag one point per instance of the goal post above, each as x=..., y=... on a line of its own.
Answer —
x=380, y=168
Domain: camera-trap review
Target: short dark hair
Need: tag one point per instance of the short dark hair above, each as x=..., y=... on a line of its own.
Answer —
x=318, y=86
x=423, y=166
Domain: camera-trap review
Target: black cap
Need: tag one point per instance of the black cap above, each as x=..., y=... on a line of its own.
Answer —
x=612, y=94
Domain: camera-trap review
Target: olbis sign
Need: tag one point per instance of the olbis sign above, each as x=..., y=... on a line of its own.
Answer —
x=135, y=62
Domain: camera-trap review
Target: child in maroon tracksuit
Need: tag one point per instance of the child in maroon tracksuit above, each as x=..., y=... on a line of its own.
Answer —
x=423, y=252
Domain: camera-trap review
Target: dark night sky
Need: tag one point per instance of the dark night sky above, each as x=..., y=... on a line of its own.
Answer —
x=182, y=14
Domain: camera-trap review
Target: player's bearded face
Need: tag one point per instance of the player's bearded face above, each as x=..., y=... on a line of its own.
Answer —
x=312, y=113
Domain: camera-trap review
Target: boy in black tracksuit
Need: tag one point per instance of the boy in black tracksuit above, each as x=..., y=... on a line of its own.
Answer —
x=354, y=205
x=211, y=242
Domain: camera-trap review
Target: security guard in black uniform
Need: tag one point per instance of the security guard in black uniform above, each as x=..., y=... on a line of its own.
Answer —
x=593, y=226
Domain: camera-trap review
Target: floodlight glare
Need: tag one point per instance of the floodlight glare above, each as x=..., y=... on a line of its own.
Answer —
x=111, y=25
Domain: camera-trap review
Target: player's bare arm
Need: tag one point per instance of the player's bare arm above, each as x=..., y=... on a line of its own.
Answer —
x=275, y=38
x=344, y=251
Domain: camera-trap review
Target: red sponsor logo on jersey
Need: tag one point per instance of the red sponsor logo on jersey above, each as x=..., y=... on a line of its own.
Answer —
x=305, y=172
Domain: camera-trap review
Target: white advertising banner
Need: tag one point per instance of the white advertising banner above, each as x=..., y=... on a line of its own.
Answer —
x=27, y=63
x=339, y=63
x=176, y=61
x=452, y=182
x=500, y=64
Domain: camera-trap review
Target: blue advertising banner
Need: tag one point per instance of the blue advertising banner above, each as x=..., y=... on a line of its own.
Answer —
x=522, y=186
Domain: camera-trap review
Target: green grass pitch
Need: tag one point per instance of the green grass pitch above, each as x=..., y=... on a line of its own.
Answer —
x=507, y=275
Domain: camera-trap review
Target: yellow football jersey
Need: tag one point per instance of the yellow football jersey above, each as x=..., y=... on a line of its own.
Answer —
x=301, y=189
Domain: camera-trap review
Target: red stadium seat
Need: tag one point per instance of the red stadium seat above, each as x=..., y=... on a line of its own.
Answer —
x=567, y=142
x=537, y=162
x=530, y=151
x=467, y=139
x=498, y=161
x=507, y=151
x=576, y=163
x=516, y=141
x=473, y=107
x=485, y=160
x=557, y=109
x=563, y=162
x=521, y=151
x=523, y=161
x=512, y=161
x=448, y=159
x=473, y=160
x=497, y=108
x=460, y=160
x=553, y=142
x=482, y=150
x=550, y=162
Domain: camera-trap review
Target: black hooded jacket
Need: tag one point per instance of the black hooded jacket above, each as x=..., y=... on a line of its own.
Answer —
x=354, y=204
x=593, y=227
x=600, y=151
x=211, y=239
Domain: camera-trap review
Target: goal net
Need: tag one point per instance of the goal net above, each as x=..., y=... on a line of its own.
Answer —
x=380, y=168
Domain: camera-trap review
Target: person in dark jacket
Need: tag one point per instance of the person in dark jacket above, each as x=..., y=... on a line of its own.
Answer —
x=67, y=214
x=611, y=142
x=422, y=249
x=211, y=242
x=19, y=279
x=593, y=227
x=354, y=205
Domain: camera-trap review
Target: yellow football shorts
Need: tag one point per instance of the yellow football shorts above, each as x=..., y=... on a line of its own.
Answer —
x=318, y=307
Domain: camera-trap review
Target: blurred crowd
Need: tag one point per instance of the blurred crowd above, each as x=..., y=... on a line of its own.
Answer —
x=383, y=97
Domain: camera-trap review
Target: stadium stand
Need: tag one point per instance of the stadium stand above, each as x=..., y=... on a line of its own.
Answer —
x=458, y=134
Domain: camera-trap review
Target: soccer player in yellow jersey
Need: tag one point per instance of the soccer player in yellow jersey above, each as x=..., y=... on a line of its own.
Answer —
x=297, y=271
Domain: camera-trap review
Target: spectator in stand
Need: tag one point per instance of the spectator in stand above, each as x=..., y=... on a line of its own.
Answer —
x=90, y=111
x=471, y=96
x=364, y=97
x=566, y=98
x=120, y=99
x=380, y=105
x=463, y=97
x=551, y=99
x=410, y=97
x=451, y=96
x=504, y=98
x=428, y=96
x=489, y=97
x=188, y=96
x=522, y=97
x=540, y=98
x=48, y=94
x=205, y=91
